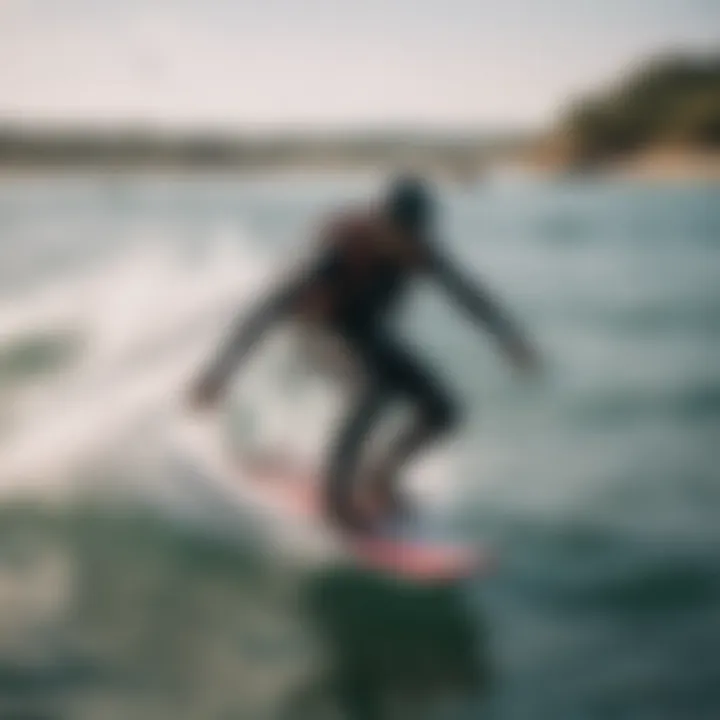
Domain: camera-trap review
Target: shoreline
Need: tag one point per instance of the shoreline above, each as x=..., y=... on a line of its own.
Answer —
x=659, y=165
x=654, y=165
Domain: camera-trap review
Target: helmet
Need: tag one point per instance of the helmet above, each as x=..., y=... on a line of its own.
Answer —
x=409, y=203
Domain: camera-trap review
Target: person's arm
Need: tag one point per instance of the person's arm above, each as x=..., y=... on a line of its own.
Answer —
x=241, y=338
x=249, y=329
x=470, y=295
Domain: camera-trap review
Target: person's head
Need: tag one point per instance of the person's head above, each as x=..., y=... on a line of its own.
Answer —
x=409, y=204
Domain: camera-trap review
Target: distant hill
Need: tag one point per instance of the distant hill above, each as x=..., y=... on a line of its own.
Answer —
x=672, y=101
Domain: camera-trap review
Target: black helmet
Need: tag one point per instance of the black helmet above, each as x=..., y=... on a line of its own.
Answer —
x=409, y=203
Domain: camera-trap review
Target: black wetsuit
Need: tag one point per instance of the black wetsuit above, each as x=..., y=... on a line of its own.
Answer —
x=353, y=286
x=363, y=303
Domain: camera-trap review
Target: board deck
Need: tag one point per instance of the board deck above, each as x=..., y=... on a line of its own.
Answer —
x=289, y=492
x=409, y=553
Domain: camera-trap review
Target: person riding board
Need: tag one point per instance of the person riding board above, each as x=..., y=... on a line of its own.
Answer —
x=365, y=262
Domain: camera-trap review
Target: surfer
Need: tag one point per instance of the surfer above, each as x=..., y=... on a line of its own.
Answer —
x=365, y=260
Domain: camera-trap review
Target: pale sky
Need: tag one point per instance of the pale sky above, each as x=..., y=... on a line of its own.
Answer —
x=276, y=64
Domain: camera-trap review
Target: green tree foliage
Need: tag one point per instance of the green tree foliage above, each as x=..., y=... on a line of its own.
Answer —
x=671, y=100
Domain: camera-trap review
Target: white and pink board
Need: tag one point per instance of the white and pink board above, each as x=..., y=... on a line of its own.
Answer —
x=291, y=492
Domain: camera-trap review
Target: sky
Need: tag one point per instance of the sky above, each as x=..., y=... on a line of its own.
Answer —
x=279, y=64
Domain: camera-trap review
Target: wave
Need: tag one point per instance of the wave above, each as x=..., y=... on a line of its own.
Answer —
x=122, y=607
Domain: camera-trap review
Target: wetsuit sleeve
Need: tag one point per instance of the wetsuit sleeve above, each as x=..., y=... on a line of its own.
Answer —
x=472, y=296
x=325, y=266
x=248, y=329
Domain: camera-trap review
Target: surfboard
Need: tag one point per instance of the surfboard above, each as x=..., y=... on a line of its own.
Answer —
x=402, y=548
x=290, y=492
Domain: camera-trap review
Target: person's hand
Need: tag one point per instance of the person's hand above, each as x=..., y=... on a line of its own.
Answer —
x=524, y=357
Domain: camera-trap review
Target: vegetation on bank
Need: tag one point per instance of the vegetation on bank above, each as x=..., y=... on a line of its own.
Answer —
x=672, y=101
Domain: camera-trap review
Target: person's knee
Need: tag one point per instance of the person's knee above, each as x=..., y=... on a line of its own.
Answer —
x=443, y=414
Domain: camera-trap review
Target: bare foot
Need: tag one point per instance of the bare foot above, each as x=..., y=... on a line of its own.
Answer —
x=384, y=496
x=350, y=518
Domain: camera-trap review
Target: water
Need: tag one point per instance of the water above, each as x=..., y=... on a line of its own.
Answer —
x=598, y=486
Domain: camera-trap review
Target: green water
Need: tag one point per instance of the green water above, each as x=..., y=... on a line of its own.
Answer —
x=599, y=486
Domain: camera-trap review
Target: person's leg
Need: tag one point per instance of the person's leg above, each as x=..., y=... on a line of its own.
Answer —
x=344, y=455
x=435, y=414
x=391, y=372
